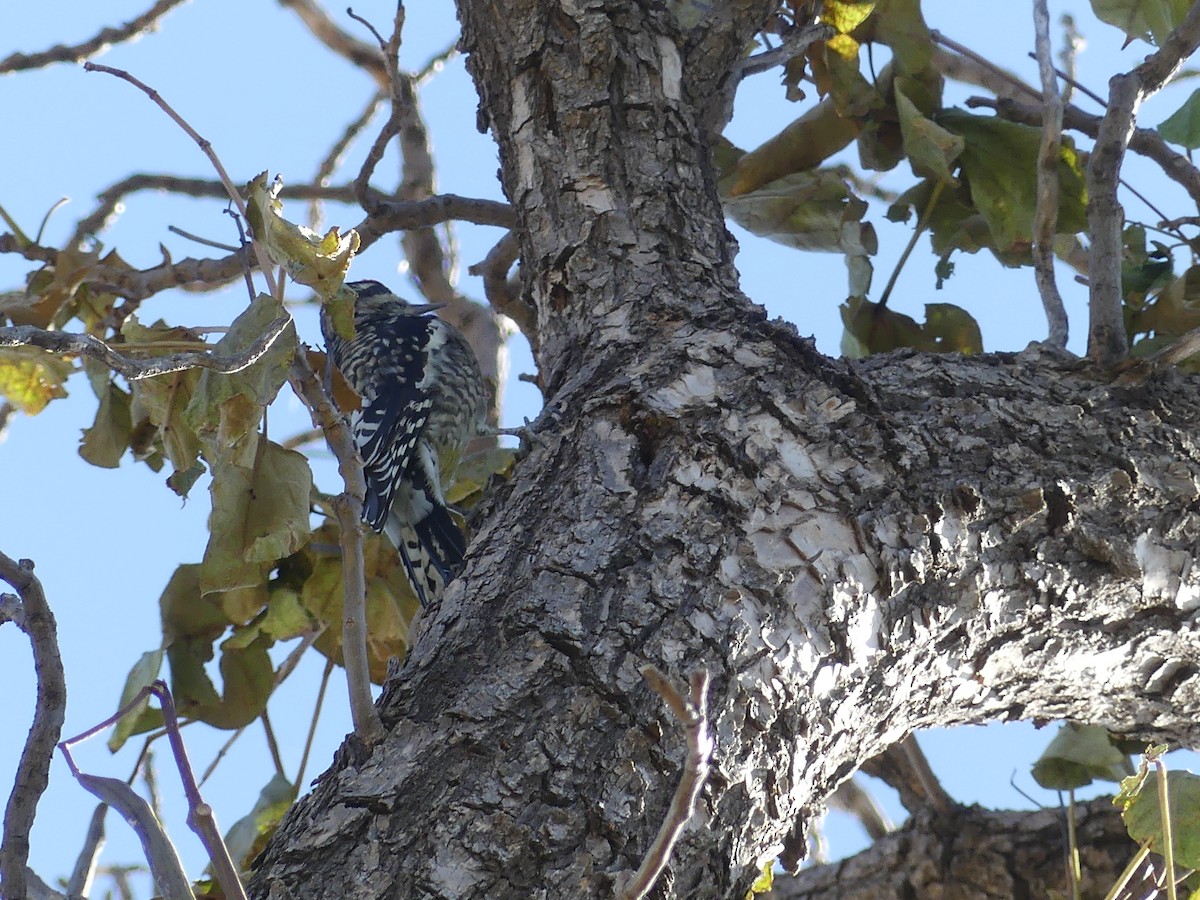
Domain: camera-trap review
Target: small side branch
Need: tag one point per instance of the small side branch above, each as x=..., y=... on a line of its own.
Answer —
x=1107, y=341
x=692, y=713
x=98, y=43
x=33, y=770
x=1046, y=218
x=88, y=345
x=348, y=506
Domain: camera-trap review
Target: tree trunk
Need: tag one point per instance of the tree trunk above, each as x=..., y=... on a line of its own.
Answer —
x=852, y=550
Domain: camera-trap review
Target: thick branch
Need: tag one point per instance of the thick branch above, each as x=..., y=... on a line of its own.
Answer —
x=33, y=769
x=978, y=853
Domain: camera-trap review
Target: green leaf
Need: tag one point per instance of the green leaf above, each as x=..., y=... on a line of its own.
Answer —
x=162, y=400
x=1148, y=20
x=105, y=442
x=999, y=163
x=846, y=15
x=187, y=614
x=931, y=149
x=248, y=835
x=1183, y=126
x=1143, y=818
x=1077, y=756
x=31, y=377
x=899, y=24
x=142, y=675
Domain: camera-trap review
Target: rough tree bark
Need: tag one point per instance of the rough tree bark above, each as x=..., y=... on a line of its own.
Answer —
x=853, y=550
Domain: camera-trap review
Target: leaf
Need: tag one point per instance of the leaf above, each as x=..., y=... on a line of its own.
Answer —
x=846, y=15
x=1143, y=818
x=259, y=516
x=187, y=614
x=247, y=678
x=142, y=675
x=31, y=377
x=898, y=23
x=1148, y=20
x=999, y=163
x=871, y=328
x=473, y=473
x=248, y=835
x=806, y=210
x=320, y=262
x=931, y=149
x=1077, y=756
x=391, y=606
x=224, y=408
x=105, y=442
x=163, y=399
x=1183, y=126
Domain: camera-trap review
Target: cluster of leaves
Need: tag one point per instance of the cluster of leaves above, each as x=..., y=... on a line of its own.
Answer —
x=975, y=186
x=1082, y=754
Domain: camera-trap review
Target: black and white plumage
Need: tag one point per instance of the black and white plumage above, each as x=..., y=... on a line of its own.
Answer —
x=423, y=401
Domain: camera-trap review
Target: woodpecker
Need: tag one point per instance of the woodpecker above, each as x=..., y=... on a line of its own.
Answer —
x=423, y=400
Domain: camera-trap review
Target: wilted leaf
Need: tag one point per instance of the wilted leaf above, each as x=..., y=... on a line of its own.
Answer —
x=142, y=675
x=1143, y=819
x=391, y=606
x=224, y=408
x=170, y=879
x=1183, y=126
x=806, y=210
x=187, y=614
x=1077, y=756
x=321, y=262
x=871, y=328
x=473, y=473
x=344, y=396
x=163, y=399
x=30, y=377
x=105, y=442
x=247, y=678
x=286, y=617
x=259, y=516
x=1149, y=20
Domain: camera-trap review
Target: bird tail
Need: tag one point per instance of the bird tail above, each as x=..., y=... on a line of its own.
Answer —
x=430, y=543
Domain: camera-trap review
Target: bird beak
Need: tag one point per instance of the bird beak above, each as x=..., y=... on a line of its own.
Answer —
x=422, y=308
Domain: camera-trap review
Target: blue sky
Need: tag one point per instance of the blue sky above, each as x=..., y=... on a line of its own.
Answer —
x=250, y=78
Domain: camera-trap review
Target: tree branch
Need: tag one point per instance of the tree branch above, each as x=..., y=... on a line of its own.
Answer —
x=33, y=770
x=692, y=713
x=1046, y=216
x=90, y=346
x=1107, y=341
x=98, y=43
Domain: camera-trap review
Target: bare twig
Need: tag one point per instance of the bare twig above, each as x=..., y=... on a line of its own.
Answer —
x=98, y=43
x=503, y=293
x=348, y=506
x=206, y=147
x=93, y=347
x=333, y=159
x=996, y=80
x=793, y=45
x=403, y=215
x=6, y=414
x=33, y=769
x=1046, y=218
x=435, y=64
x=692, y=713
x=312, y=725
x=359, y=53
x=1073, y=45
